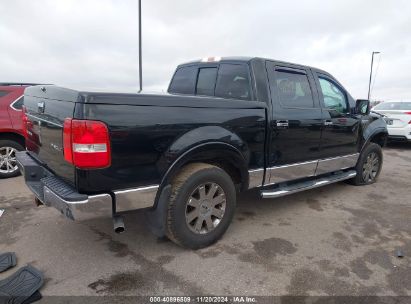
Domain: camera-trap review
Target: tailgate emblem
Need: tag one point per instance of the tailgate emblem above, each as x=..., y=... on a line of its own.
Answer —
x=56, y=147
x=41, y=106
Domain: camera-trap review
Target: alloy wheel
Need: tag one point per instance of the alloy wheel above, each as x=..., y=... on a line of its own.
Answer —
x=371, y=167
x=8, y=163
x=205, y=208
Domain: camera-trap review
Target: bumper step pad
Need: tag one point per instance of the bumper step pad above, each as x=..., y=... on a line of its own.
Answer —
x=7, y=260
x=22, y=286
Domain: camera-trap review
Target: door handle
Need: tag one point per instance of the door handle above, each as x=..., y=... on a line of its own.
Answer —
x=328, y=123
x=40, y=106
x=282, y=123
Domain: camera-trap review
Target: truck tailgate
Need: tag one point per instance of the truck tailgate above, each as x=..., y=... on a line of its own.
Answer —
x=47, y=107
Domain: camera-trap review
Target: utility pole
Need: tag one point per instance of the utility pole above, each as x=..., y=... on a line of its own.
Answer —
x=369, y=84
x=140, y=63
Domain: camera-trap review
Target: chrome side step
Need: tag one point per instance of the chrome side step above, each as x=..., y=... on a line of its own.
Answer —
x=301, y=186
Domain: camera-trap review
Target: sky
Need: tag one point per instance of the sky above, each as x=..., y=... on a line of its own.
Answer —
x=93, y=44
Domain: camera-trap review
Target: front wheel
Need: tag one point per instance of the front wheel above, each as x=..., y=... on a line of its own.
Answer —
x=8, y=163
x=201, y=206
x=369, y=165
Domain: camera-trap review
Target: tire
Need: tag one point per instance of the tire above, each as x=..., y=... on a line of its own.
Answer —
x=364, y=177
x=5, y=147
x=192, y=221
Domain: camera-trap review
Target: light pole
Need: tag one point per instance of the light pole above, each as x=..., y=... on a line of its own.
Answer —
x=140, y=63
x=369, y=84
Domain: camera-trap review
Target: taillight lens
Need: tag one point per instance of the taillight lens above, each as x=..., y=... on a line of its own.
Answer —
x=25, y=121
x=86, y=144
x=409, y=113
x=67, y=146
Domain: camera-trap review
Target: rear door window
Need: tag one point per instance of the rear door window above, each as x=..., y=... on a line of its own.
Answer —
x=233, y=82
x=184, y=80
x=18, y=104
x=206, y=81
x=294, y=89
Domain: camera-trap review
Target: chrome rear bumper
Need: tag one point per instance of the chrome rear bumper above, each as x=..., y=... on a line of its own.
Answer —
x=54, y=192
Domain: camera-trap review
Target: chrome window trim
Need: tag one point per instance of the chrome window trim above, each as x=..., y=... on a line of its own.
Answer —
x=12, y=104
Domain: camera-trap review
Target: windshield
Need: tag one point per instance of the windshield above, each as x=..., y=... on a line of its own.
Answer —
x=393, y=106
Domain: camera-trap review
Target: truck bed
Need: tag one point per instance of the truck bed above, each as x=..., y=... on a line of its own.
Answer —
x=147, y=132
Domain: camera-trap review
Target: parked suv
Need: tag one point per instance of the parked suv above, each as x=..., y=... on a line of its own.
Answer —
x=11, y=129
x=227, y=125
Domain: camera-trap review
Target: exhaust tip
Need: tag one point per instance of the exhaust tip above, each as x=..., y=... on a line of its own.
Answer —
x=118, y=224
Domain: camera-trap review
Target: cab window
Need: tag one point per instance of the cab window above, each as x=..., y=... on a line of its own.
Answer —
x=206, y=81
x=18, y=104
x=233, y=82
x=294, y=90
x=184, y=80
x=333, y=97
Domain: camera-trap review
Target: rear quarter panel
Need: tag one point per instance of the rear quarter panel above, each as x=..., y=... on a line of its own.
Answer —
x=146, y=140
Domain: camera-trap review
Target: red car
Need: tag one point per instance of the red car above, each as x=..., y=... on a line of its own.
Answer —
x=11, y=130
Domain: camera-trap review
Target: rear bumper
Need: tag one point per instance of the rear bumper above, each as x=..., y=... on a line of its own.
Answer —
x=400, y=133
x=54, y=192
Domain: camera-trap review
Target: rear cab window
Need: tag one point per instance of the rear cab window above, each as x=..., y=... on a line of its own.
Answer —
x=184, y=80
x=206, y=81
x=225, y=80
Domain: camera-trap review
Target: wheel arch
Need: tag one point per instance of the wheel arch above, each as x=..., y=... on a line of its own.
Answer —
x=220, y=154
x=13, y=136
x=379, y=136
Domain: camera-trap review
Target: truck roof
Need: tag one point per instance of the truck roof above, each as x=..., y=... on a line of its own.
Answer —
x=242, y=59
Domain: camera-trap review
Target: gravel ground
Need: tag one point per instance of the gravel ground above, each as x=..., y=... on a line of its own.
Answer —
x=335, y=240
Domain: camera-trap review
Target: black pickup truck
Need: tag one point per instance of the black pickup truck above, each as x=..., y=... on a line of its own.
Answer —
x=226, y=125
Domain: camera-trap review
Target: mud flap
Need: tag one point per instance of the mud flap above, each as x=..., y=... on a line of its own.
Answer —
x=7, y=260
x=21, y=286
x=157, y=217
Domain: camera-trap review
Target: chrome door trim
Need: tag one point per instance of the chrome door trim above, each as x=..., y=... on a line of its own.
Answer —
x=294, y=171
x=255, y=178
x=336, y=163
x=284, y=173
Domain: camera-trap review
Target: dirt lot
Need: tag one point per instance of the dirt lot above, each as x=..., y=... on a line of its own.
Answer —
x=336, y=240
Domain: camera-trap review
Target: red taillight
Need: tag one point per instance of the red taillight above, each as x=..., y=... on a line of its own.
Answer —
x=25, y=121
x=67, y=147
x=86, y=144
x=409, y=113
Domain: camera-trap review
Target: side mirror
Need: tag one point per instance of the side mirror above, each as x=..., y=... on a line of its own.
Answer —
x=362, y=106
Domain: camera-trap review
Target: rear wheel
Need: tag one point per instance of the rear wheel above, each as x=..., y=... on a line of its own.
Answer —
x=8, y=163
x=201, y=206
x=369, y=165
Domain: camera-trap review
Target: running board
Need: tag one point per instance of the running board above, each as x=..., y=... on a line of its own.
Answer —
x=306, y=185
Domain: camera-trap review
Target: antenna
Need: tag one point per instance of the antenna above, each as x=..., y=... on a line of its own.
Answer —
x=140, y=63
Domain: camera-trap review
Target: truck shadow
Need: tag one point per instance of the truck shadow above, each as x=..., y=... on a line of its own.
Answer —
x=251, y=210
